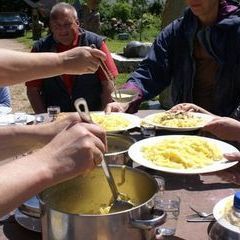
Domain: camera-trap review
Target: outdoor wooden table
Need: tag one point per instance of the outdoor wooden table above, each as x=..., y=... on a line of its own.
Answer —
x=201, y=191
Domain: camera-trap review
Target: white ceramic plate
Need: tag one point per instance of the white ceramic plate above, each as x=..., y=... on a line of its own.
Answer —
x=218, y=212
x=205, y=117
x=136, y=155
x=7, y=119
x=5, y=110
x=134, y=121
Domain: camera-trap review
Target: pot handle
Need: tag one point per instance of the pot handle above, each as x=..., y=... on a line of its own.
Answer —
x=159, y=217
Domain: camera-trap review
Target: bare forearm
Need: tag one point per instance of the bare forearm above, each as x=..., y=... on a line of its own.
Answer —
x=18, y=140
x=21, y=179
x=16, y=68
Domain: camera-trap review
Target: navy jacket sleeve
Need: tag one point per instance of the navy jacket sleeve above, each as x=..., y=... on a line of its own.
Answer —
x=5, y=99
x=154, y=73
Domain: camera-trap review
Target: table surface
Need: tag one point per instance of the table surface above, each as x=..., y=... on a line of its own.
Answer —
x=200, y=191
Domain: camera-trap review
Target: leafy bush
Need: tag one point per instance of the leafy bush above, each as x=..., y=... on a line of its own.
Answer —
x=105, y=9
x=156, y=8
x=121, y=10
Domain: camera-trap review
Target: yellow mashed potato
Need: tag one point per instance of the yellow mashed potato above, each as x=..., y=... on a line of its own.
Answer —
x=229, y=215
x=110, y=122
x=177, y=120
x=182, y=153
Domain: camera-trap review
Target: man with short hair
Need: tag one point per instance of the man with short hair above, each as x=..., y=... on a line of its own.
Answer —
x=63, y=90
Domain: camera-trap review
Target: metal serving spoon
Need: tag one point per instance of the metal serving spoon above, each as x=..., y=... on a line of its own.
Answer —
x=201, y=214
x=118, y=204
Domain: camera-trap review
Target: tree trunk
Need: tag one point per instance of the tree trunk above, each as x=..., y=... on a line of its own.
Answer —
x=172, y=10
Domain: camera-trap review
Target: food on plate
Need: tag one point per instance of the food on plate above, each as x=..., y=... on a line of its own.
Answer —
x=182, y=152
x=228, y=213
x=110, y=122
x=177, y=120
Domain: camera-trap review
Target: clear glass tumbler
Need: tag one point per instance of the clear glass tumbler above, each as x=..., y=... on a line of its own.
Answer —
x=170, y=204
x=148, y=130
x=53, y=112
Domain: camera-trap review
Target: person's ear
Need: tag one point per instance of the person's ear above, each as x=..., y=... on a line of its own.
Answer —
x=77, y=22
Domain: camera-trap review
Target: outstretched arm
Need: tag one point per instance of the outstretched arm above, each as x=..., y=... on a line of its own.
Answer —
x=74, y=151
x=224, y=128
x=16, y=67
x=16, y=140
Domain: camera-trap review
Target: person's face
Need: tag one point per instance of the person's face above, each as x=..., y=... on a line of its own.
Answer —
x=64, y=26
x=203, y=8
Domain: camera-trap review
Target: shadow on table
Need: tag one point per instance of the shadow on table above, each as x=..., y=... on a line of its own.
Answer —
x=194, y=182
x=12, y=230
x=170, y=238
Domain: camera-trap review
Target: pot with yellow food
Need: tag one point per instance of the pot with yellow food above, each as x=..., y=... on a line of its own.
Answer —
x=78, y=209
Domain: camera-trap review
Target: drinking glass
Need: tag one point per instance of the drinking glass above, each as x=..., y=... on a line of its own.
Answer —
x=170, y=204
x=148, y=130
x=53, y=111
x=161, y=184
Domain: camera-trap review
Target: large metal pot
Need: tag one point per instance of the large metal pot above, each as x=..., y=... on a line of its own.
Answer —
x=69, y=210
x=118, y=146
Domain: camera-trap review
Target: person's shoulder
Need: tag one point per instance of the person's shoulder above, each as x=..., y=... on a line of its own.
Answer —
x=94, y=35
x=93, y=38
x=43, y=42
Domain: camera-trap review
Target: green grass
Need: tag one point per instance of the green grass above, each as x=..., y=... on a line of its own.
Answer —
x=116, y=46
x=27, y=40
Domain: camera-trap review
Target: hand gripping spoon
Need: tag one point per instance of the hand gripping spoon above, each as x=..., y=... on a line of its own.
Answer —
x=119, y=203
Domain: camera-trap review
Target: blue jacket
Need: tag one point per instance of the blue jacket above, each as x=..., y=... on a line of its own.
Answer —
x=170, y=60
x=87, y=86
x=5, y=97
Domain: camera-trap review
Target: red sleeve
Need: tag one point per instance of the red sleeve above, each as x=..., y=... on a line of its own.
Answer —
x=109, y=62
x=34, y=83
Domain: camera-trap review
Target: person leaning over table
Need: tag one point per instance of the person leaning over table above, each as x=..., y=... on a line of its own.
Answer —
x=70, y=147
x=227, y=129
x=198, y=55
x=63, y=90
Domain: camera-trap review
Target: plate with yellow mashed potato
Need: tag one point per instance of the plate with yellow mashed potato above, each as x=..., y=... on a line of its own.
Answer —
x=115, y=122
x=224, y=215
x=180, y=121
x=182, y=154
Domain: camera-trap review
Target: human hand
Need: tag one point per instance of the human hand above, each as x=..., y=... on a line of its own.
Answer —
x=232, y=156
x=81, y=60
x=224, y=128
x=47, y=131
x=74, y=151
x=116, y=107
x=188, y=107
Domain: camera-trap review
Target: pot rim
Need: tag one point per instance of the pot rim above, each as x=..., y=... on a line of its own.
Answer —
x=115, y=213
x=121, y=136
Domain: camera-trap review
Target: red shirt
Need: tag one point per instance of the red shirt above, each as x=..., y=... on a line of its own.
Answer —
x=68, y=79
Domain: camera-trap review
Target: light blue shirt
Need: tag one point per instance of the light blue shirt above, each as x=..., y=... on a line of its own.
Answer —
x=5, y=97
